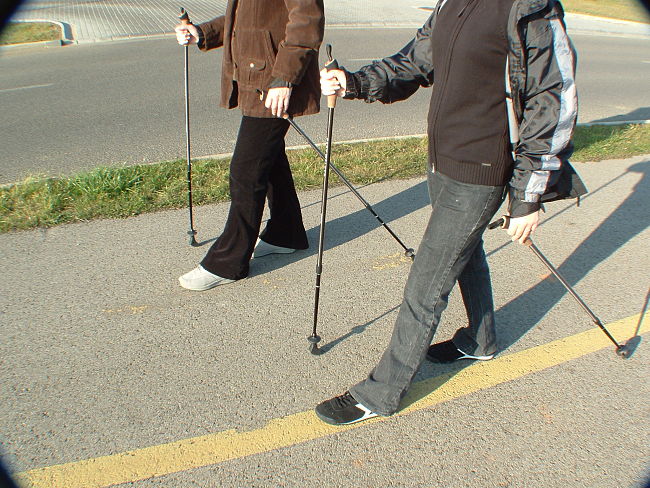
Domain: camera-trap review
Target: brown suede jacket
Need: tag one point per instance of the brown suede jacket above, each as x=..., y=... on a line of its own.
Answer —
x=267, y=40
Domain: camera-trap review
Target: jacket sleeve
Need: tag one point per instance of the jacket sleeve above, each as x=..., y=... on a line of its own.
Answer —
x=550, y=108
x=303, y=37
x=398, y=76
x=212, y=33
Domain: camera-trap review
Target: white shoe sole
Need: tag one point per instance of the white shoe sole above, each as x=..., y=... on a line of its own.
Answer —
x=477, y=358
x=264, y=249
x=205, y=287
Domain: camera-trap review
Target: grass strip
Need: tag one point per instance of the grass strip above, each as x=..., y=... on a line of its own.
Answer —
x=23, y=32
x=117, y=192
x=614, y=9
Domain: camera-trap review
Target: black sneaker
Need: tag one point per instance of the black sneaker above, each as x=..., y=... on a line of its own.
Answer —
x=446, y=352
x=343, y=410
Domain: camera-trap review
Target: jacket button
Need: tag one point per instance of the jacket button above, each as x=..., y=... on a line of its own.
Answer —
x=252, y=65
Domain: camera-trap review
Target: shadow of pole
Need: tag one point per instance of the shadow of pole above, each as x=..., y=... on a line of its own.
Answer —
x=635, y=340
x=627, y=221
x=354, y=225
x=355, y=330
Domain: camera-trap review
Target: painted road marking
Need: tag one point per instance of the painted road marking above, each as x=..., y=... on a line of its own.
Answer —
x=7, y=90
x=287, y=431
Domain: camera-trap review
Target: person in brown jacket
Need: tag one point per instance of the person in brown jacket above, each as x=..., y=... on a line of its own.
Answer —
x=270, y=46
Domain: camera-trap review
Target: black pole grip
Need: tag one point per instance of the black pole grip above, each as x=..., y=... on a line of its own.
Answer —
x=502, y=223
x=331, y=62
x=184, y=17
x=329, y=66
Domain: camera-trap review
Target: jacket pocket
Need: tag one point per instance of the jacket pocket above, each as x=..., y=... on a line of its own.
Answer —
x=254, y=57
x=253, y=72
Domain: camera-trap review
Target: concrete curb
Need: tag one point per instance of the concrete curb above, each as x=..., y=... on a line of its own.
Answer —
x=615, y=122
x=397, y=138
x=591, y=24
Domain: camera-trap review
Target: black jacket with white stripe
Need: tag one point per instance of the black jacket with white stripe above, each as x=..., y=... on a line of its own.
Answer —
x=540, y=71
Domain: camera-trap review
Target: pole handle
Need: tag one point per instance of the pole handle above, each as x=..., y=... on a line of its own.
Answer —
x=329, y=66
x=184, y=17
x=501, y=223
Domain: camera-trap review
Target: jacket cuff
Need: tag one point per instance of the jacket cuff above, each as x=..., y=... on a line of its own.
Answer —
x=212, y=33
x=201, y=42
x=353, y=84
x=519, y=208
x=280, y=83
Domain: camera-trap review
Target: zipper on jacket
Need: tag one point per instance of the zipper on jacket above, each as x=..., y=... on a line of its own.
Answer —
x=465, y=7
x=447, y=64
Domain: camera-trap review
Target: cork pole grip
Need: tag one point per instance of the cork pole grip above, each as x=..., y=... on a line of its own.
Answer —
x=330, y=65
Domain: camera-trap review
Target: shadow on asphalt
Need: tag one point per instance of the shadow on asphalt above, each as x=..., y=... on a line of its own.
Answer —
x=628, y=220
x=358, y=329
x=352, y=226
x=524, y=312
x=641, y=113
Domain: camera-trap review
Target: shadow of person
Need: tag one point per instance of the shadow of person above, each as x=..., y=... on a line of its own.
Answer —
x=636, y=115
x=352, y=226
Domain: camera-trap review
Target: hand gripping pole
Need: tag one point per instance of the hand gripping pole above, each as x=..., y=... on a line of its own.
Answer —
x=623, y=351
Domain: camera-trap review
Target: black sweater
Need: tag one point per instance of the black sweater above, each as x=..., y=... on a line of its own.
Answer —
x=468, y=126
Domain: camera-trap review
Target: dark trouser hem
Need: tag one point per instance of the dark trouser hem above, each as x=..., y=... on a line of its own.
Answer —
x=259, y=169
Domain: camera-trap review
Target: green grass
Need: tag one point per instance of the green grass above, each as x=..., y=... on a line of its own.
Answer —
x=611, y=142
x=125, y=191
x=617, y=9
x=23, y=32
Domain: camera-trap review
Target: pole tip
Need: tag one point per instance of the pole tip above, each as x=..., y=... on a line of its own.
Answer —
x=193, y=242
x=627, y=350
x=313, y=344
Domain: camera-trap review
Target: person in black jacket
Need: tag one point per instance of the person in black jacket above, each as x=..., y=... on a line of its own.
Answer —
x=502, y=113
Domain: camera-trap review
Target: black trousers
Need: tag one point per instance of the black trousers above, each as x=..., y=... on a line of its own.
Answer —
x=259, y=169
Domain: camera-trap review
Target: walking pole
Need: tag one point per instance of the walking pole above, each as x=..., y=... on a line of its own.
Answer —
x=185, y=19
x=623, y=351
x=408, y=251
x=314, y=338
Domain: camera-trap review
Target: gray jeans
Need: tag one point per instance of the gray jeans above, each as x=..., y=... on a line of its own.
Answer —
x=451, y=250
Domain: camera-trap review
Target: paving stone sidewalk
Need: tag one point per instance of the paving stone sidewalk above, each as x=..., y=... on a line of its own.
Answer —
x=105, y=20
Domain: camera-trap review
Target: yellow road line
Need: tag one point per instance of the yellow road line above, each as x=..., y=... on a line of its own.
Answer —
x=216, y=448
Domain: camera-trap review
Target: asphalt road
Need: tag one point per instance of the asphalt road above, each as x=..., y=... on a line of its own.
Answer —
x=79, y=107
x=103, y=354
x=112, y=375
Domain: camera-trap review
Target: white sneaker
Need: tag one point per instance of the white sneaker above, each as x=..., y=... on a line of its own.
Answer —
x=263, y=248
x=200, y=280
